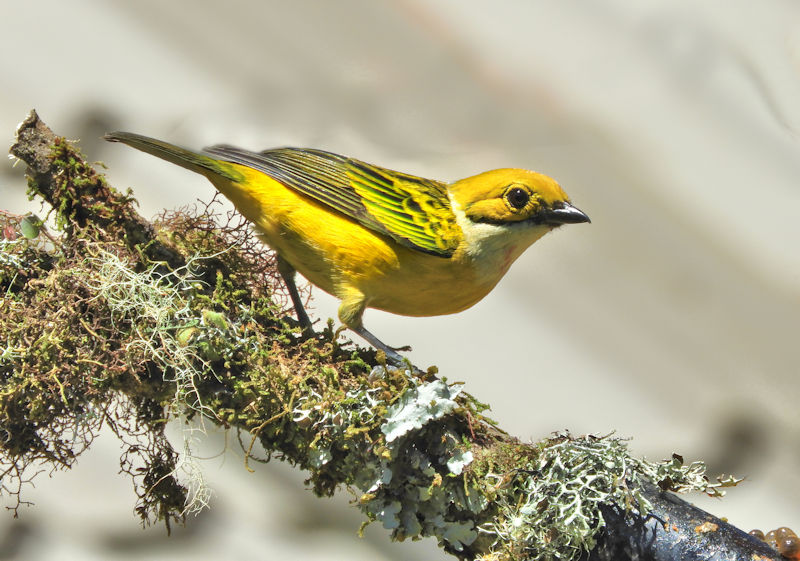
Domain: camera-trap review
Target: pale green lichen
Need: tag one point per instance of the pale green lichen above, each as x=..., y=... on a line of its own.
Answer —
x=418, y=406
x=8, y=256
x=551, y=508
x=9, y=351
x=402, y=459
x=415, y=491
x=459, y=460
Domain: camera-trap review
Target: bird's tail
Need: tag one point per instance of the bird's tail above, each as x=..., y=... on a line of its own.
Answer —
x=194, y=161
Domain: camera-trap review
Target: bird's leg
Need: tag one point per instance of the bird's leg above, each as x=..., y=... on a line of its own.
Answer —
x=392, y=355
x=288, y=273
x=350, y=313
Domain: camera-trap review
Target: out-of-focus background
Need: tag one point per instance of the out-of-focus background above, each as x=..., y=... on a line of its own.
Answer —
x=674, y=318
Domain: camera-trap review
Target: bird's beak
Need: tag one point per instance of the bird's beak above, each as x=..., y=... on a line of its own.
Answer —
x=565, y=213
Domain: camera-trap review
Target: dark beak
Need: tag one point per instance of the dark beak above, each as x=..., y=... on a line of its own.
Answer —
x=565, y=213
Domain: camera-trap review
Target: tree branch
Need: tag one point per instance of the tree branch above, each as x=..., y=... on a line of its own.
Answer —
x=129, y=323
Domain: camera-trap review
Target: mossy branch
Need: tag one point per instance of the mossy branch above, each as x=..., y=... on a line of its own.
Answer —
x=122, y=322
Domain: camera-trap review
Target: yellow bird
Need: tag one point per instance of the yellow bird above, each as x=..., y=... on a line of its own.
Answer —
x=377, y=238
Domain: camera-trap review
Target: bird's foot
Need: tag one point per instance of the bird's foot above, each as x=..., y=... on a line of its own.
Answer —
x=306, y=329
x=393, y=357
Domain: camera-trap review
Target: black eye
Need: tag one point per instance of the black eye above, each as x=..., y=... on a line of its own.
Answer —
x=518, y=197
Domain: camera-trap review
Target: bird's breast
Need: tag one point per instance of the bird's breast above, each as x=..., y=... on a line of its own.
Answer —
x=338, y=254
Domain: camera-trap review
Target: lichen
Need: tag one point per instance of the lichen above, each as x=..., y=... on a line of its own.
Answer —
x=412, y=484
x=550, y=505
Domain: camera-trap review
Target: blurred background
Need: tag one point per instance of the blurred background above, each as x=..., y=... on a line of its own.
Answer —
x=673, y=318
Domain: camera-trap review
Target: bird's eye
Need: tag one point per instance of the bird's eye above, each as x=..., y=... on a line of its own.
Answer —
x=517, y=197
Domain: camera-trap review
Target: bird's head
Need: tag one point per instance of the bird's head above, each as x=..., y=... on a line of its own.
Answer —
x=506, y=196
x=510, y=208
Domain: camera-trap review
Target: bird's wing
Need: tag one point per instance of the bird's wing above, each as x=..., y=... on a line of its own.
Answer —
x=413, y=211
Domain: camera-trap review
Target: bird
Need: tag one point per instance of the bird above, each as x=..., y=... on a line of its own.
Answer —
x=374, y=237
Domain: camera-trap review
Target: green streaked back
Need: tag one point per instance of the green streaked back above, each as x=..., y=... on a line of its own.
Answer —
x=413, y=211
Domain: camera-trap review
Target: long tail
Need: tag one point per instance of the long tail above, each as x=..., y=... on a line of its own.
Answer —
x=188, y=159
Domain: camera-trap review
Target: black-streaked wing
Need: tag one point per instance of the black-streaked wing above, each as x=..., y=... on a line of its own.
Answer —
x=413, y=211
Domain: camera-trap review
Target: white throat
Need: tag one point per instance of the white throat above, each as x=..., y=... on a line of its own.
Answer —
x=492, y=247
